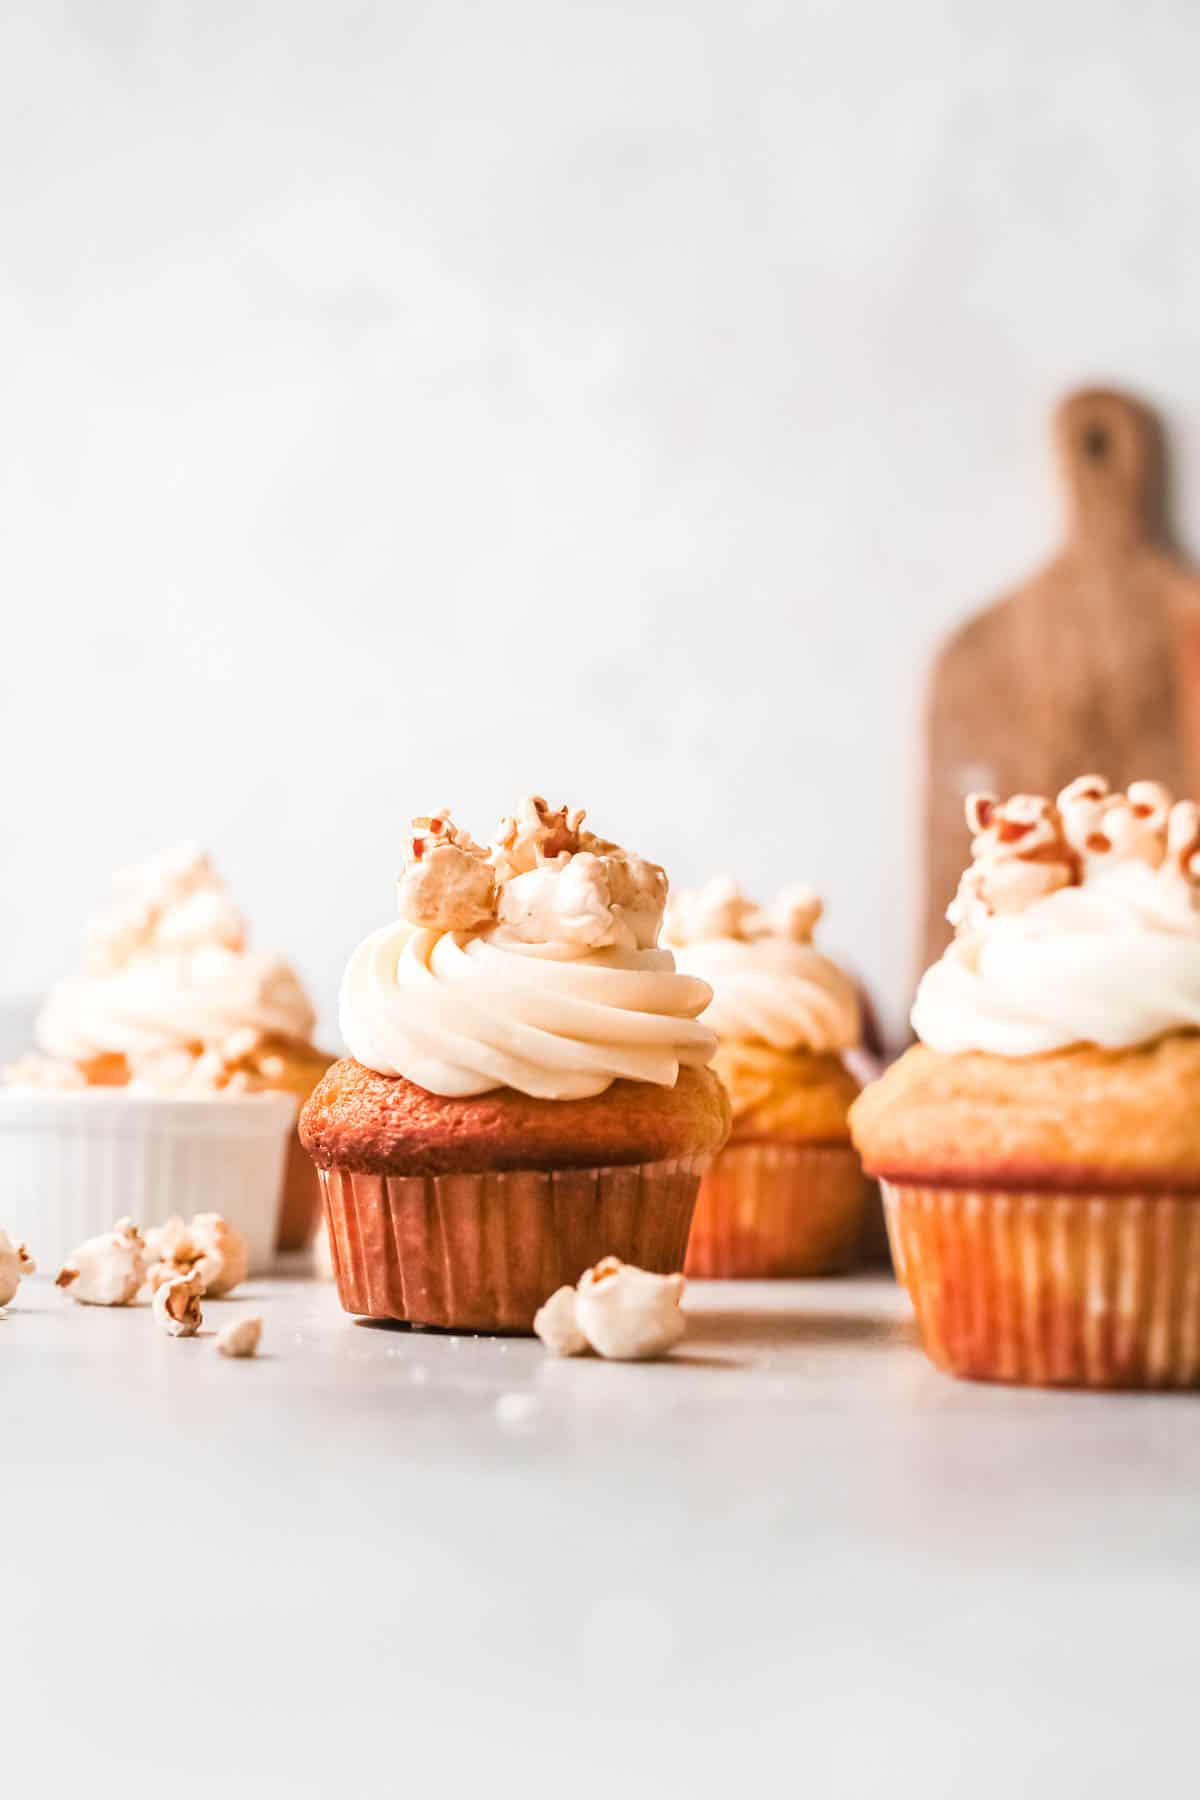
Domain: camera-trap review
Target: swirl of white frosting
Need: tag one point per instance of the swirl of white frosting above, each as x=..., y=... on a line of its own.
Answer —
x=1113, y=962
x=774, y=991
x=461, y=1013
x=163, y=1001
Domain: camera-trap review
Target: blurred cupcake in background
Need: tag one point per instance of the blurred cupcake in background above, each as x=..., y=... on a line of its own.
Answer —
x=786, y=1195
x=167, y=1074
x=528, y=1090
x=1040, y=1147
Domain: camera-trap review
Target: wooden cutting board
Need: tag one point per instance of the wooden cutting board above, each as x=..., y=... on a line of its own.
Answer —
x=1092, y=666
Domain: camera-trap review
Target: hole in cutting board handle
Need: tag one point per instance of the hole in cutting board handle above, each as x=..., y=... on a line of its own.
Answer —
x=1110, y=458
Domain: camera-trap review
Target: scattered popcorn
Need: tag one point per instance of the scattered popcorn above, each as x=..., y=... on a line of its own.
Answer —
x=557, y=1324
x=15, y=1264
x=629, y=1314
x=544, y=879
x=208, y=1246
x=1027, y=847
x=241, y=1339
x=220, y=1240
x=177, y=1305
x=721, y=910
x=107, y=1270
x=620, y=1312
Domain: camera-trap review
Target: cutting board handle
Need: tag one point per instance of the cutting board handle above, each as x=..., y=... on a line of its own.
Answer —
x=1110, y=454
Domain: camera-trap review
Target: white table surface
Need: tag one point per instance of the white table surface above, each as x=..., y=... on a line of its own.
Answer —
x=794, y=1557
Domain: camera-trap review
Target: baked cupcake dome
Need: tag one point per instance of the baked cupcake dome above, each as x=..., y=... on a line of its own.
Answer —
x=1040, y=1149
x=528, y=1089
x=386, y=1125
x=785, y=1198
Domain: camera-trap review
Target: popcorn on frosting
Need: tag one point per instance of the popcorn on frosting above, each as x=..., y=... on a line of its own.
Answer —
x=544, y=879
x=721, y=910
x=1027, y=847
x=174, y=901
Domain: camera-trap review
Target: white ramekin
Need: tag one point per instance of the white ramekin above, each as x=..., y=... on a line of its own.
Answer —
x=73, y=1163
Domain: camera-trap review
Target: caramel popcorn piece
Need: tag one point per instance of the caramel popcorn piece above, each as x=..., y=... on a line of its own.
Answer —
x=718, y=910
x=448, y=883
x=557, y=1324
x=209, y=1246
x=107, y=1270
x=1027, y=847
x=629, y=1314
x=795, y=914
x=175, y=901
x=543, y=878
x=536, y=835
x=223, y=1242
x=721, y=910
x=241, y=1339
x=177, y=1305
x=15, y=1264
x=1019, y=853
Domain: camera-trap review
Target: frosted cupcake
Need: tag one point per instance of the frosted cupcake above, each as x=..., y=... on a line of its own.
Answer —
x=786, y=1196
x=528, y=1089
x=168, y=1073
x=1040, y=1147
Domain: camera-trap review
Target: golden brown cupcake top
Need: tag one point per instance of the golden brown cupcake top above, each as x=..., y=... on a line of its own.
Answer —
x=790, y=1094
x=1081, y=1118
x=386, y=1125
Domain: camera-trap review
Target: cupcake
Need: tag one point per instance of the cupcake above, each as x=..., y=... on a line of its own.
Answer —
x=786, y=1196
x=168, y=1074
x=528, y=1089
x=1040, y=1146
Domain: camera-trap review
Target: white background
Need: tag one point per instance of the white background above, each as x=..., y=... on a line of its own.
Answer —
x=421, y=403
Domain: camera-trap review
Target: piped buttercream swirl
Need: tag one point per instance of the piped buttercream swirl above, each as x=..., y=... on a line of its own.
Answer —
x=1114, y=962
x=162, y=1001
x=773, y=991
x=462, y=1013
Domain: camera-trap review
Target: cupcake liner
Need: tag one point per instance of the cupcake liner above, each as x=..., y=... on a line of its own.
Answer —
x=482, y=1252
x=1095, y=1290
x=73, y=1163
x=778, y=1210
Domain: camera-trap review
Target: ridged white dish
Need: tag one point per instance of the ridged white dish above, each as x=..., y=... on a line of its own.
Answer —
x=72, y=1163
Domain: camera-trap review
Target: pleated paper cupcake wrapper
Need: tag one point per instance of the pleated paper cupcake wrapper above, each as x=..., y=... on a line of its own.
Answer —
x=482, y=1252
x=73, y=1163
x=777, y=1210
x=1045, y=1289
